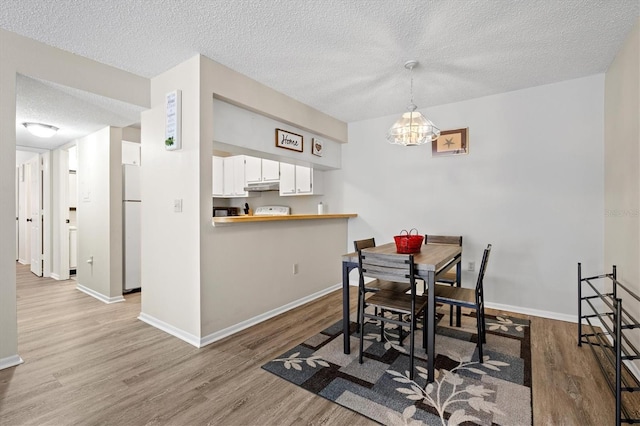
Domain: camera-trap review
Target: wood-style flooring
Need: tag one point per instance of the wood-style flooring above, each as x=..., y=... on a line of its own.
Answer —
x=88, y=363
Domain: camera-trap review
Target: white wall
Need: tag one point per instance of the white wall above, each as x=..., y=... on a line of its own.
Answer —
x=253, y=266
x=622, y=176
x=251, y=133
x=34, y=59
x=531, y=185
x=220, y=251
x=170, y=249
x=99, y=214
x=180, y=251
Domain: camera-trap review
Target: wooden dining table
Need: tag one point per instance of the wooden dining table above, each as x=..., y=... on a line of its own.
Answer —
x=430, y=262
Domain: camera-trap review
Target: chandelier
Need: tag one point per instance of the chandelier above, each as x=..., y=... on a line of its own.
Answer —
x=412, y=128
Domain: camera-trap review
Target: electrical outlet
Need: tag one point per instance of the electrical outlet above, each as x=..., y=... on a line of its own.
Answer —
x=472, y=266
x=295, y=268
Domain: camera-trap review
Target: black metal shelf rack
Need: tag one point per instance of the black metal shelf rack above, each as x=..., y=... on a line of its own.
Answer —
x=611, y=335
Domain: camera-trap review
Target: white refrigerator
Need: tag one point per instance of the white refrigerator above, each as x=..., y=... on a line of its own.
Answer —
x=131, y=204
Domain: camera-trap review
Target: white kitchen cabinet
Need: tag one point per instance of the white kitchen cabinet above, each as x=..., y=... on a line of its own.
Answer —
x=239, y=179
x=252, y=169
x=300, y=180
x=218, y=176
x=287, y=179
x=233, y=177
x=270, y=170
x=259, y=170
x=227, y=177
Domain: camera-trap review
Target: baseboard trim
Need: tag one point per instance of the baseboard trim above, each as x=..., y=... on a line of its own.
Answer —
x=23, y=262
x=218, y=335
x=10, y=361
x=55, y=276
x=168, y=328
x=101, y=297
x=533, y=312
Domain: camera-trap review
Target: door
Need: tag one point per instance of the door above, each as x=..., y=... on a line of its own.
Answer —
x=35, y=198
x=287, y=179
x=253, y=169
x=24, y=219
x=132, y=246
x=270, y=170
x=218, y=176
x=17, y=214
x=303, y=180
x=227, y=180
x=239, y=180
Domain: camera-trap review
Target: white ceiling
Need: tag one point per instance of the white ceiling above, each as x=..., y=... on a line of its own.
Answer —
x=74, y=112
x=344, y=57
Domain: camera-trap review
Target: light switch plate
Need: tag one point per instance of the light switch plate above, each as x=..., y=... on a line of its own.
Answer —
x=177, y=205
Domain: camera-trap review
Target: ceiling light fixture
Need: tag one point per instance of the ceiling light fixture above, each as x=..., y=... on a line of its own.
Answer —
x=41, y=130
x=412, y=128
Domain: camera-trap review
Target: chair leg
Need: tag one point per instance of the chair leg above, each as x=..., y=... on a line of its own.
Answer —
x=412, y=337
x=484, y=327
x=381, y=326
x=451, y=316
x=424, y=328
x=361, y=319
x=480, y=335
x=400, y=336
x=359, y=303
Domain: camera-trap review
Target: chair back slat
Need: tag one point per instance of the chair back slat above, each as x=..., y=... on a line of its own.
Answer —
x=483, y=269
x=363, y=244
x=389, y=267
x=443, y=239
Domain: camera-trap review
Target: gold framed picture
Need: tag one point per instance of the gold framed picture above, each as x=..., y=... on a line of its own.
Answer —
x=451, y=142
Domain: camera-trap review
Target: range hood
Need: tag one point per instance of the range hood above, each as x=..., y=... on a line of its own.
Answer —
x=262, y=187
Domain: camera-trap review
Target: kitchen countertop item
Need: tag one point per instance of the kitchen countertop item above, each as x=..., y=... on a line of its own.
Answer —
x=272, y=211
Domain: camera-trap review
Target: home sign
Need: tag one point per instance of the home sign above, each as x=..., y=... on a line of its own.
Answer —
x=288, y=140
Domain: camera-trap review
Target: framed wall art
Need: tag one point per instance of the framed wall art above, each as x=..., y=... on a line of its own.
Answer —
x=316, y=147
x=288, y=140
x=451, y=142
x=173, y=121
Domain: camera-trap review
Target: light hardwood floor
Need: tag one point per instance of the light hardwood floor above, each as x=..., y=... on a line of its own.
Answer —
x=88, y=363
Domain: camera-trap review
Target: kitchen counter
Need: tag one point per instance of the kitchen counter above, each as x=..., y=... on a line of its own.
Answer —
x=246, y=219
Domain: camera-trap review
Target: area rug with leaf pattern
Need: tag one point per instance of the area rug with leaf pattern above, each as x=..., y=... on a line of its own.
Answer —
x=465, y=391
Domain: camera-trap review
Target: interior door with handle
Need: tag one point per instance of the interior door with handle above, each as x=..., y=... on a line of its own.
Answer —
x=35, y=217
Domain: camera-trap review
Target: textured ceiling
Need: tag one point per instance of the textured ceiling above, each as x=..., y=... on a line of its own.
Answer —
x=343, y=57
x=74, y=112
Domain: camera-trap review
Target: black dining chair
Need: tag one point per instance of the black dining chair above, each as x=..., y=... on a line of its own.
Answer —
x=448, y=276
x=398, y=268
x=468, y=297
x=376, y=285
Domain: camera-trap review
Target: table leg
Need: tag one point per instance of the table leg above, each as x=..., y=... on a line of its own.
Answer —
x=458, y=284
x=431, y=325
x=346, y=268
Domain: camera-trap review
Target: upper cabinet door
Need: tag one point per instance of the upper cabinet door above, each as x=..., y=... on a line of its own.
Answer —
x=227, y=181
x=218, y=176
x=287, y=179
x=303, y=180
x=270, y=170
x=239, y=179
x=253, y=169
